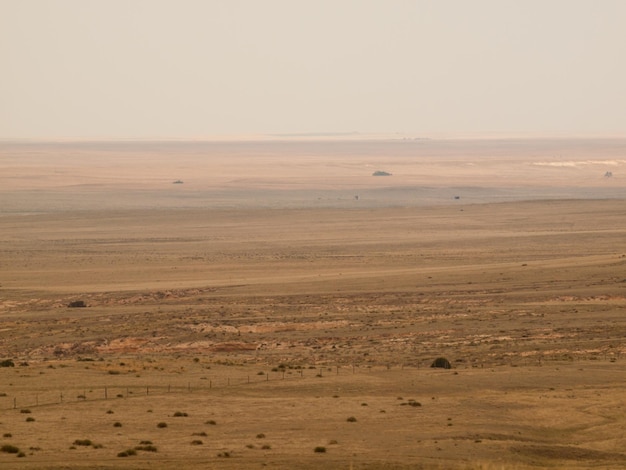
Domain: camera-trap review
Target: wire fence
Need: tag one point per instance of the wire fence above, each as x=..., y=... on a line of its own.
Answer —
x=25, y=400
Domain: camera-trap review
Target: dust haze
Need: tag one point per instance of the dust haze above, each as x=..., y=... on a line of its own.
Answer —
x=277, y=304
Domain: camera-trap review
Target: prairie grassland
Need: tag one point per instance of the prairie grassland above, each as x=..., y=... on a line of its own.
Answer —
x=302, y=337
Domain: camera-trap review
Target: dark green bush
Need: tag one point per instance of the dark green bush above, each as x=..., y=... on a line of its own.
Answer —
x=83, y=442
x=127, y=453
x=442, y=363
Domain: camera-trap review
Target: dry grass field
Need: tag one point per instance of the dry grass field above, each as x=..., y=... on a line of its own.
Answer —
x=270, y=318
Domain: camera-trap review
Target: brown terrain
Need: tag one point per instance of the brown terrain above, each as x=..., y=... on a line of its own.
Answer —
x=279, y=307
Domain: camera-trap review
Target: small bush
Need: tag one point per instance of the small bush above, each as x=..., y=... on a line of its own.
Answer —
x=162, y=425
x=224, y=454
x=110, y=412
x=147, y=448
x=21, y=454
x=117, y=424
x=7, y=434
x=30, y=419
x=202, y=434
x=7, y=363
x=250, y=446
x=320, y=449
x=211, y=422
x=25, y=411
x=442, y=363
x=145, y=443
x=266, y=447
x=260, y=436
x=351, y=419
x=196, y=442
x=127, y=453
x=83, y=442
x=179, y=414
x=9, y=449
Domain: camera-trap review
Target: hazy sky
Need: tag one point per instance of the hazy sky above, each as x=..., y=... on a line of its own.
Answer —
x=200, y=68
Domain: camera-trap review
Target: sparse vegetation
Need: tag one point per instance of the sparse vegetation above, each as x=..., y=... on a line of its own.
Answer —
x=320, y=449
x=162, y=424
x=351, y=419
x=180, y=414
x=146, y=447
x=9, y=449
x=83, y=442
x=442, y=363
x=127, y=453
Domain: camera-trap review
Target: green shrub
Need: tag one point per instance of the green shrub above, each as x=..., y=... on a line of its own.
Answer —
x=351, y=419
x=196, y=442
x=260, y=436
x=320, y=449
x=442, y=363
x=117, y=424
x=127, y=453
x=83, y=442
x=30, y=419
x=9, y=449
x=7, y=363
x=179, y=414
x=211, y=422
x=147, y=448
x=162, y=425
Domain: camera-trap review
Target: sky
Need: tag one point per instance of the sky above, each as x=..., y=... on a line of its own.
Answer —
x=194, y=69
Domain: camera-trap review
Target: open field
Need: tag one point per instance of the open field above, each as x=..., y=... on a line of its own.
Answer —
x=265, y=305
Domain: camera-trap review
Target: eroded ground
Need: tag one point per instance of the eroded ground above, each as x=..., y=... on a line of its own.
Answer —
x=254, y=334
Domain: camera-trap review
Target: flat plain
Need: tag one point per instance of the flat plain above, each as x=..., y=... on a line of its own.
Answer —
x=275, y=305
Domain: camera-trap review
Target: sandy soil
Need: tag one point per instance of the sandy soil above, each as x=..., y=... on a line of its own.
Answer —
x=262, y=295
